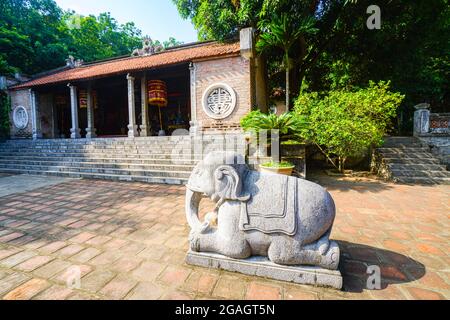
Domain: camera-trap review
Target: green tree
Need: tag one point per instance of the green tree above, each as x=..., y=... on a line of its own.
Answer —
x=29, y=34
x=411, y=49
x=283, y=32
x=36, y=35
x=94, y=38
x=346, y=123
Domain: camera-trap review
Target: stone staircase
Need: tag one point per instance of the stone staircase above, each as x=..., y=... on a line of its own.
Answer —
x=407, y=160
x=167, y=160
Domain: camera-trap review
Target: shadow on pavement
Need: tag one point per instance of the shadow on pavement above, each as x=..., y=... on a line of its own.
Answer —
x=394, y=267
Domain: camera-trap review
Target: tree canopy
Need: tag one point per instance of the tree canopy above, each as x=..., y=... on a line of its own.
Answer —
x=37, y=35
x=411, y=48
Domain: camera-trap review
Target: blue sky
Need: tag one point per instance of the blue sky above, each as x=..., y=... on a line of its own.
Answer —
x=157, y=18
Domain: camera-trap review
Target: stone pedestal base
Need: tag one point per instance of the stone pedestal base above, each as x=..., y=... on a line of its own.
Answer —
x=262, y=267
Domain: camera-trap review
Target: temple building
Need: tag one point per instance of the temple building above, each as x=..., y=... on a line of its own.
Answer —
x=200, y=87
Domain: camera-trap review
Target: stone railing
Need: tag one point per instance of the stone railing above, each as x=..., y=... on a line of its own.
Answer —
x=429, y=124
x=432, y=129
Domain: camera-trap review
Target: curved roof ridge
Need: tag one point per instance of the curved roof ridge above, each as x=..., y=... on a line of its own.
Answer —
x=177, y=55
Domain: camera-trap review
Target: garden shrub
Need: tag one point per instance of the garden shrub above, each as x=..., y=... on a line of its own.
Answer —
x=344, y=123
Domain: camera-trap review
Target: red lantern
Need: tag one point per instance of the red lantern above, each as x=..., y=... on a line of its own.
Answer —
x=157, y=93
x=157, y=96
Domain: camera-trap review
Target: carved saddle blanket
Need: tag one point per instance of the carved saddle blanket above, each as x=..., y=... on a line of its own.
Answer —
x=273, y=205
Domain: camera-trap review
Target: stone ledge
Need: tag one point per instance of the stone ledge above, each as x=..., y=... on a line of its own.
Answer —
x=262, y=267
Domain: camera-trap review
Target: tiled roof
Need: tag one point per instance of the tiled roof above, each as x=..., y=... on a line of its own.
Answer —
x=130, y=64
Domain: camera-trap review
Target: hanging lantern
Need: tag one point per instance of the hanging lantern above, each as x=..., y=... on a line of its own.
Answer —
x=157, y=96
x=82, y=96
x=157, y=93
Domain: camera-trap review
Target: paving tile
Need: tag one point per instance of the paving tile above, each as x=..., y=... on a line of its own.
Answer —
x=86, y=255
x=82, y=237
x=174, y=276
x=52, y=247
x=300, y=293
x=424, y=294
x=201, y=282
x=55, y=292
x=259, y=291
x=148, y=271
x=70, y=250
x=27, y=290
x=146, y=291
x=34, y=263
x=119, y=287
x=230, y=287
x=4, y=253
x=17, y=258
x=96, y=280
x=11, y=281
x=126, y=264
x=50, y=269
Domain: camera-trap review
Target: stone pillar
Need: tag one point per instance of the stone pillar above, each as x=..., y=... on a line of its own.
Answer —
x=145, y=129
x=90, y=130
x=35, y=116
x=194, y=128
x=421, y=119
x=132, y=127
x=75, y=130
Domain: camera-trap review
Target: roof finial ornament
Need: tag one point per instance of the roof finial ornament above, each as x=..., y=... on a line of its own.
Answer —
x=148, y=48
x=72, y=63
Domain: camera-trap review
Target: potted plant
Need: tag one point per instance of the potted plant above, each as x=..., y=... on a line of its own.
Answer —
x=282, y=167
x=287, y=125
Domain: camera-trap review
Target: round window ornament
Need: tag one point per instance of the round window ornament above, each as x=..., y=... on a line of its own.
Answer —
x=20, y=117
x=219, y=101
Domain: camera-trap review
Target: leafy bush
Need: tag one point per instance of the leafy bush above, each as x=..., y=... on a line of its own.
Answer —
x=346, y=124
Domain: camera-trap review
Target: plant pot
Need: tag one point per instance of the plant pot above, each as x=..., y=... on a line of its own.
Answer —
x=285, y=170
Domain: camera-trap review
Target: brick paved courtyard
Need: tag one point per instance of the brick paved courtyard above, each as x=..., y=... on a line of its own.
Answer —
x=128, y=240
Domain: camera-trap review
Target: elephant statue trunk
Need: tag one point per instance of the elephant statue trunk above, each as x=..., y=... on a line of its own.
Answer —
x=192, y=204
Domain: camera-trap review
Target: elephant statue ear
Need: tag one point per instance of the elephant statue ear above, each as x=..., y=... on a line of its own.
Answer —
x=228, y=184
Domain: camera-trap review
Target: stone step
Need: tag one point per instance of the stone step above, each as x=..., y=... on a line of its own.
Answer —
x=404, y=145
x=418, y=161
x=120, y=145
x=421, y=173
x=395, y=141
x=407, y=155
x=90, y=164
x=103, y=155
x=85, y=175
x=404, y=149
x=103, y=149
x=127, y=150
x=107, y=171
x=407, y=160
x=423, y=180
x=415, y=166
x=117, y=159
x=153, y=159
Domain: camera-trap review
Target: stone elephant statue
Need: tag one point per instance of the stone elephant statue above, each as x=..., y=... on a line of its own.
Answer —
x=286, y=219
